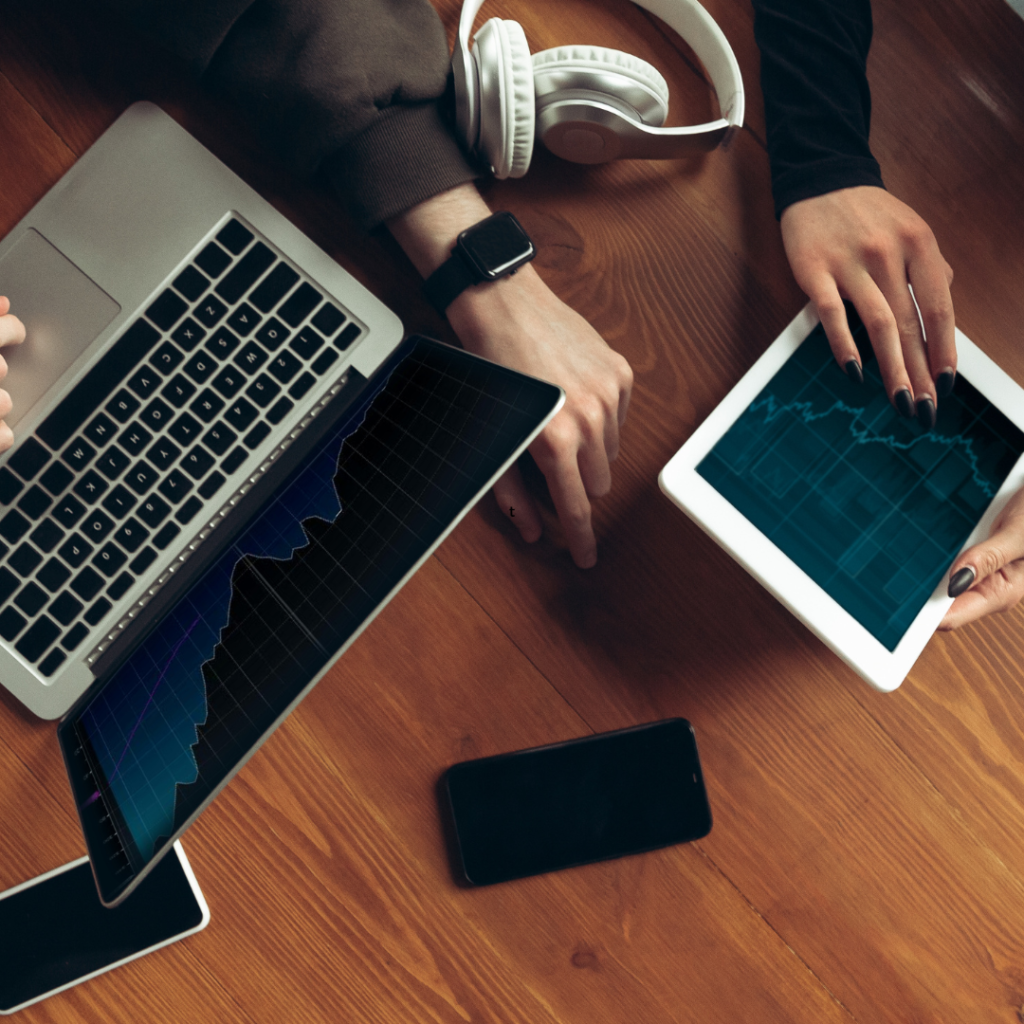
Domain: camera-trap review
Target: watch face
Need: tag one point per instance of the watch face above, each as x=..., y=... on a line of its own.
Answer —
x=496, y=246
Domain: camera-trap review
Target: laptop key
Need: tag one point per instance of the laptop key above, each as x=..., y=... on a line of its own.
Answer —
x=87, y=584
x=131, y=535
x=68, y=511
x=97, y=611
x=306, y=343
x=185, y=429
x=273, y=334
x=328, y=319
x=65, y=609
x=213, y=260
x=14, y=526
x=122, y=406
x=109, y=559
x=54, y=575
x=234, y=236
x=299, y=304
x=97, y=526
x=347, y=336
x=200, y=366
x=219, y=438
x=167, y=310
x=284, y=366
x=24, y=560
x=120, y=586
x=32, y=599
x=249, y=269
x=134, y=438
x=119, y=502
x=188, y=335
x=100, y=430
x=302, y=385
x=52, y=662
x=175, y=486
x=241, y=413
x=263, y=390
x=197, y=462
x=324, y=361
x=234, y=460
x=166, y=357
x=178, y=390
x=29, y=459
x=12, y=622
x=191, y=283
x=207, y=405
x=75, y=550
x=38, y=639
x=34, y=502
x=46, y=536
x=9, y=583
x=10, y=486
x=112, y=463
x=244, y=320
x=222, y=343
x=166, y=535
x=274, y=287
x=153, y=511
x=144, y=382
x=210, y=312
x=74, y=637
x=251, y=358
x=157, y=414
x=229, y=381
x=56, y=478
x=142, y=561
x=79, y=454
x=163, y=454
x=188, y=510
x=280, y=410
x=256, y=435
x=209, y=487
x=91, y=486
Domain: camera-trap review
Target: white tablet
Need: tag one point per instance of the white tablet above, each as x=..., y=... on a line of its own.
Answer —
x=850, y=514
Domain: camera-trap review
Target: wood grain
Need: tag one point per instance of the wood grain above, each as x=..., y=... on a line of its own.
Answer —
x=868, y=849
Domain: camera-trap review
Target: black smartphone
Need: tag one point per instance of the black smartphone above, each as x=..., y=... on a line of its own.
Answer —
x=573, y=803
x=55, y=933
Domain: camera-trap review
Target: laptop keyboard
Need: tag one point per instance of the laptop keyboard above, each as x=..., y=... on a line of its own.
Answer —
x=153, y=434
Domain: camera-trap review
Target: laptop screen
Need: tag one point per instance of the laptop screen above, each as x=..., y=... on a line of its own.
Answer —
x=151, y=745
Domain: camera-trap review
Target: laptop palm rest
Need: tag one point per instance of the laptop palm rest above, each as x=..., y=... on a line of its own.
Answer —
x=63, y=313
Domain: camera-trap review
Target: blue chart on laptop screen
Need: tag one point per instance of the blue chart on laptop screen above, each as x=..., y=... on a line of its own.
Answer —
x=869, y=505
x=176, y=718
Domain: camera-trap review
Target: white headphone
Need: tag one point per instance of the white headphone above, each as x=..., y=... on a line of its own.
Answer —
x=586, y=103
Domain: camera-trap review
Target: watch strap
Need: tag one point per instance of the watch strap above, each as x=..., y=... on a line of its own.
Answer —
x=449, y=281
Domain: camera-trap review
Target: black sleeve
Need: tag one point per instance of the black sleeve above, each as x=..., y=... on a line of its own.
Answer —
x=816, y=96
x=352, y=87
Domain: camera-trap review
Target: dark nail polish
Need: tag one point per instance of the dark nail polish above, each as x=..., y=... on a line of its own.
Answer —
x=926, y=413
x=960, y=581
x=944, y=385
x=905, y=403
x=854, y=372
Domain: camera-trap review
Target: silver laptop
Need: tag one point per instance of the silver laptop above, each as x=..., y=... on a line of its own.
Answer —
x=181, y=335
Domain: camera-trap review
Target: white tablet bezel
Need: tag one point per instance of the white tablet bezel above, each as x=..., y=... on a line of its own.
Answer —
x=820, y=612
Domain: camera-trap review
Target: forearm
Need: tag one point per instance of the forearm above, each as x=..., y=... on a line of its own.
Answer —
x=816, y=95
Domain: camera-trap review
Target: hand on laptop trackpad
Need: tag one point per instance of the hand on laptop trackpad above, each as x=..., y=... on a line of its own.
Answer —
x=62, y=310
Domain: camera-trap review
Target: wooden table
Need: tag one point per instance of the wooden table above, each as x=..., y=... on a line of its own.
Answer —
x=867, y=856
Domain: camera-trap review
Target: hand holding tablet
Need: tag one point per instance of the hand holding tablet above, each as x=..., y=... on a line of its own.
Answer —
x=849, y=513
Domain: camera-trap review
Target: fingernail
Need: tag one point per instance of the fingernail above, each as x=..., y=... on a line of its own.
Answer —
x=926, y=413
x=905, y=403
x=944, y=384
x=854, y=372
x=960, y=581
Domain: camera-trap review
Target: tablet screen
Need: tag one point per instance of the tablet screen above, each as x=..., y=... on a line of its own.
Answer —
x=868, y=504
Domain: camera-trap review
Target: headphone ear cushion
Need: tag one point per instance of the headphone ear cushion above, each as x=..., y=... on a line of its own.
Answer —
x=507, y=104
x=586, y=67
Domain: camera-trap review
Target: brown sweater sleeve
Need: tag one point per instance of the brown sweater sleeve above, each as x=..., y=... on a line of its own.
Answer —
x=350, y=87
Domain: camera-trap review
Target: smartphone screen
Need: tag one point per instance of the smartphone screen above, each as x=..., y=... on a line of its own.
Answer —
x=573, y=803
x=54, y=932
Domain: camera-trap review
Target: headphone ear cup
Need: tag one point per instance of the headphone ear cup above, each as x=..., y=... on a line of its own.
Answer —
x=507, y=104
x=628, y=83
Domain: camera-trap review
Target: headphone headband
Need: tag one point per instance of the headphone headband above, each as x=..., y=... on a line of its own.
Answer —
x=692, y=23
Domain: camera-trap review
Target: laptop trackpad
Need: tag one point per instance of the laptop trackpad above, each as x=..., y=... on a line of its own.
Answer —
x=62, y=310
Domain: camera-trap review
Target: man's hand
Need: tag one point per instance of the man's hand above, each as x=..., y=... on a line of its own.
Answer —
x=12, y=332
x=519, y=322
x=993, y=570
x=864, y=245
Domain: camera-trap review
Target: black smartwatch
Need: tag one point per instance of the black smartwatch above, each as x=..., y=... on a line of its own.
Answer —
x=492, y=249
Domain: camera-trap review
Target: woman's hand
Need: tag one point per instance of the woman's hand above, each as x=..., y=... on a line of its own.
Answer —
x=12, y=332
